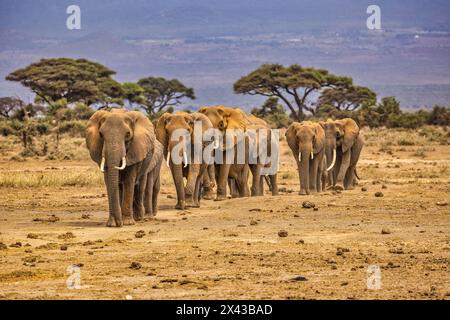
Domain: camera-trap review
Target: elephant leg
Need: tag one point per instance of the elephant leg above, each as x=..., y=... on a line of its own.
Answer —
x=345, y=163
x=156, y=188
x=349, y=178
x=314, y=167
x=274, y=184
x=234, y=188
x=261, y=185
x=129, y=182
x=243, y=182
x=256, y=175
x=139, y=195
x=198, y=185
x=207, y=192
x=224, y=169
x=148, y=202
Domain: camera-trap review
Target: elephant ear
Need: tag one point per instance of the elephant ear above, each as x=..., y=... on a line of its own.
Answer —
x=351, y=132
x=94, y=142
x=206, y=123
x=160, y=130
x=319, y=138
x=143, y=138
x=291, y=136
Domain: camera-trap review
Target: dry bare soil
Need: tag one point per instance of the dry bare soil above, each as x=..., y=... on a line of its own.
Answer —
x=53, y=215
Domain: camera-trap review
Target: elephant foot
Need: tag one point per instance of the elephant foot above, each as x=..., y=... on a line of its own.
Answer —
x=220, y=198
x=338, y=187
x=114, y=222
x=303, y=192
x=208, y=195
x=128, y=221
x=139, y=215
x=351, y=187
x=180, y=205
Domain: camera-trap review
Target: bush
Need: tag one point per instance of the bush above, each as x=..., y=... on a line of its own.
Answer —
x=406, y=120
x=439, y=116
x=73, y=127
x=6, y=129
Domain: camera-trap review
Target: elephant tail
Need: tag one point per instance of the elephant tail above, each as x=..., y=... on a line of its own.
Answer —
x=356, y=174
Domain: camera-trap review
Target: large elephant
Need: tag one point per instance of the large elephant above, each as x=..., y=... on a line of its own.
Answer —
x=306, y=140
x=187, y=195
x=258, y=168
x=349, y=144
x=331, y=132
x=124, y=145
x=234, y=172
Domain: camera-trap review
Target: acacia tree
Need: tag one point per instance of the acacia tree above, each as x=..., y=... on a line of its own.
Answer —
x=9, y=106
x=348, y=98
x=294, y=85
x=72, y=80
x=159, y=93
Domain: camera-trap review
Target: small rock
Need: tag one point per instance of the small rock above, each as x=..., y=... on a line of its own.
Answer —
x=255, y=210
x=379, y=194
x=135, y=265
x=253, y=223
x=441, y=203
x=3, y=246
x=67, y=235
x=85, y=216
x=16, y=245
x=301, y=241
x=308, y=205
x=316, y=209
x=139, y=234
x=384, y=186
x=299, y=278
x=363, y=189
x=170, y=196
x=385, y=231
x=53, y=218
x=32, y=236
x=63, y=247
x=282, y=233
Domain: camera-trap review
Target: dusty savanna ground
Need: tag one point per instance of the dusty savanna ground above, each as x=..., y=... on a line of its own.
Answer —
x=232, y=249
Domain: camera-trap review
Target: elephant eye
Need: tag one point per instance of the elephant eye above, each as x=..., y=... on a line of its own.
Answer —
x=128, y=135
x=101, y=135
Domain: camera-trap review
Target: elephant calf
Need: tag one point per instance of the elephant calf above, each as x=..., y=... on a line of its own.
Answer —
x=124, y=145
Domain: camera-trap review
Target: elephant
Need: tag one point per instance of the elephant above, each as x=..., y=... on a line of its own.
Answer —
x=187, y=195
x=124, y=145
x=257, y=168
x=349, y=145
x=209, y=182
x=306, y=140
x=331, y=132
x=236, y=174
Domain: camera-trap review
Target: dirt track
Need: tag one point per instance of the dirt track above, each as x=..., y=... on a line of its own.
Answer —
x=232, y=249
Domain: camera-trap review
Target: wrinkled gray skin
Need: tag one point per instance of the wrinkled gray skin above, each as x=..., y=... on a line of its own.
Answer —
x=124, y=145
x=187, y=195
x=344, y=136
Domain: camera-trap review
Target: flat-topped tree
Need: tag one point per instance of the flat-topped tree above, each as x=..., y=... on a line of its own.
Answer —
x=347, y=97
x=75, y=80
x=294, y=85
x=160, y=93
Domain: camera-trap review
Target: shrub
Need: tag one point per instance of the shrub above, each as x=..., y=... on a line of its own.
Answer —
x=439, y=116
x=6, y=129
x=406, y=120
x=73, y=127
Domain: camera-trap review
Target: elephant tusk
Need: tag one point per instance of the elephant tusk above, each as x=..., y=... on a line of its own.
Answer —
x=312, y=155
x=168, y=158
x=334, y=160
x=185, y=159
x=102, y=165
x=299, y=157
x=124, y=164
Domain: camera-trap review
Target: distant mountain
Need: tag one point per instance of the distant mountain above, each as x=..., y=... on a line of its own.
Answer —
x=209, y=44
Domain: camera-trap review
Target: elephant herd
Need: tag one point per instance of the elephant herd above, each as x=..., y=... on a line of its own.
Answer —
x=130, y=150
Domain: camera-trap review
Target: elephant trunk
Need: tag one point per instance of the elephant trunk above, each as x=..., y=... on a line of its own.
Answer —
x=177, y=174
x=113, y=161
x=304, y=169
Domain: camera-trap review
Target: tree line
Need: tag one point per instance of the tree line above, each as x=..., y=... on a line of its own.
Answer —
x=71, y=89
